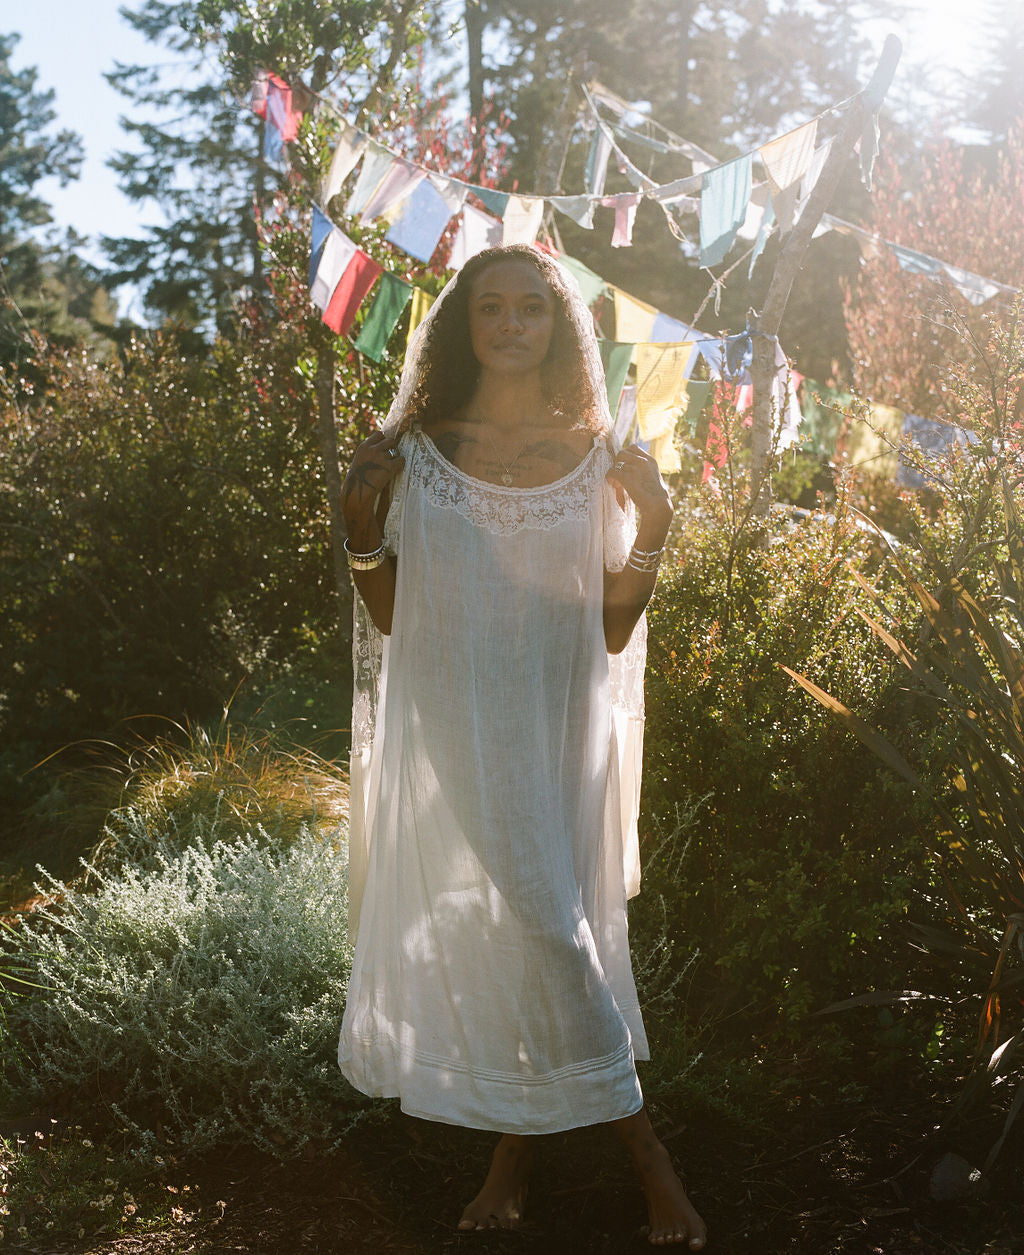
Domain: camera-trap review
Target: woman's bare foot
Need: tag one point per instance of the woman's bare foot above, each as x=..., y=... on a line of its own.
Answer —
x=673, y=1219
x=500, y=1203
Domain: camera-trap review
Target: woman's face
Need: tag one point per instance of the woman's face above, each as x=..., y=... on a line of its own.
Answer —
x=511, y=317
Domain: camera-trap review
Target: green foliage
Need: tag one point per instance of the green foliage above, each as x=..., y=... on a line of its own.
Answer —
x=202, y=995
x=797, y=878
x=963, y=660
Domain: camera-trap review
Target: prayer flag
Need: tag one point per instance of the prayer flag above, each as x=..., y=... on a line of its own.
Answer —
x=872, y=442
x=493, y=200
x=346, y=157
x=421, y=303
x=633, y=319
x=590, y=284
x=321, y=229
x=579, y=208
x=258, y=94
x=279, y=111
x=476, y=232
x=376, y=164
x=974, y=287
x=452, y=190
x=696, y=398
x=625, y=215
x=615, y=358
x=421, y=222
x=787, y=159
x=660, y=386
x=822, y=416
x=389, y=302
x=393, y=188
x=521, y=219
x=724, y=197
x=667, y=330
x=624, y=426
x=360, y=275
x=916, y=263
x=337, y=252
x=597, y=162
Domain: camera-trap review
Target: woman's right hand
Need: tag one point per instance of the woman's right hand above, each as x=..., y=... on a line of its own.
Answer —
x=375, y=465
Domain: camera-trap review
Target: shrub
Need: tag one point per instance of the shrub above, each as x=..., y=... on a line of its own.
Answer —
x=798, y=877
x=203, y=996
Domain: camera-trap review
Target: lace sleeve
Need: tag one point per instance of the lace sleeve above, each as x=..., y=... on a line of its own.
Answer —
x=619, y=527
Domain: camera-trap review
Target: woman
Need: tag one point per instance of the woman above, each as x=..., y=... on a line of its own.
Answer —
x=502, y=581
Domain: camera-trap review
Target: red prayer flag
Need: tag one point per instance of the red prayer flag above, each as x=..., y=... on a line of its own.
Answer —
x=279, y=109
x=360, y=275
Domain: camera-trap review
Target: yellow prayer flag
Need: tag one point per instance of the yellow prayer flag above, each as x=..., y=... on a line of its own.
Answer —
x=634, y=320
x=421, y=303
x=868, y=446
x=661, y=387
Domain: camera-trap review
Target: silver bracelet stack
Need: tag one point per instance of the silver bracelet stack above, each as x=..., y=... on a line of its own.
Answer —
x=366, y=561
x=645, y=560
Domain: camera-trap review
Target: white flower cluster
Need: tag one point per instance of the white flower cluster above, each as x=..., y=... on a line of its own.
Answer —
x=204, y=991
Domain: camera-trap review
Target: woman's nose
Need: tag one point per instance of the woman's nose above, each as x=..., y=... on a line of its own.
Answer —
x=512, y=321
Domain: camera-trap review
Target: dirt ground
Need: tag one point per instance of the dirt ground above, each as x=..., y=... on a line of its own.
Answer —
x=805, y=1189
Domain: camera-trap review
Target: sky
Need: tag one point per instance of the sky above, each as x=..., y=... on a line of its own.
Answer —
x=72, y=42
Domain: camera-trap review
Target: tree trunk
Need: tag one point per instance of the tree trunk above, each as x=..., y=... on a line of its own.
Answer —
x=474, y=18
x=766, y=325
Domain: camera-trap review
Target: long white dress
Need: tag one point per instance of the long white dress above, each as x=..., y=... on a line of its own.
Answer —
x=494, y=809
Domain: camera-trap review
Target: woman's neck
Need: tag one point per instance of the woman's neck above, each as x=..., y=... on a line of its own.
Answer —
x=507, y=402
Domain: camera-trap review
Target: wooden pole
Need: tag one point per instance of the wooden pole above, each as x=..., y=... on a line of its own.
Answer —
x=765, y=325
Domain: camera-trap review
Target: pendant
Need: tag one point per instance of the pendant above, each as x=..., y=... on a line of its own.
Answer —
x=506, y=479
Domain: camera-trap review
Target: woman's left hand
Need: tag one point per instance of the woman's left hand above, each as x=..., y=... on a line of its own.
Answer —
x=635, y=473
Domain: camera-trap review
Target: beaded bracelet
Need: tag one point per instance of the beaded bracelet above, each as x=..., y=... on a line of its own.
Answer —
x=366, y=561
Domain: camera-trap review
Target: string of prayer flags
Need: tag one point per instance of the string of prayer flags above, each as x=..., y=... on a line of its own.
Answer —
x=338, y=250
x=347, y=155
x=271, y=99
x=389, y=302
x=633, y=318
x=724, y=197
x=360, y=275
x=476, y=232
x=597, y=163
x=421, y=303
x=421, y=221
x=616, y=359
x=521, y=219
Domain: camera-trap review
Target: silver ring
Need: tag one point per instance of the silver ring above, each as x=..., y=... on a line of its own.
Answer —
x=392, y=453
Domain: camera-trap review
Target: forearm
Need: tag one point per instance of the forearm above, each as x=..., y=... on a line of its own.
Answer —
x=376, y=586
x=627, y=592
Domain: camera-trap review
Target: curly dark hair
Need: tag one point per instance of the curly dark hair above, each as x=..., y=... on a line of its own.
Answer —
x=451, y=370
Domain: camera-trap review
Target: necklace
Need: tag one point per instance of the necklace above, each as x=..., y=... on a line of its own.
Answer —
x=507, y=468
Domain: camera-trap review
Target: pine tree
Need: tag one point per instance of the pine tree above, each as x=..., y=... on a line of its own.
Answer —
x=202, y=164
x=31, y=296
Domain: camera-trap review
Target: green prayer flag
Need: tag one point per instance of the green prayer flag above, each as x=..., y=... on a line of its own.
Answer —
x=696, y=398
x=616, y=358
x=392, y=296
x=823, y=420
x=591, y=285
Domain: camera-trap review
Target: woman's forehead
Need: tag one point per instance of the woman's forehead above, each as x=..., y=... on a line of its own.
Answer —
x=514, y=277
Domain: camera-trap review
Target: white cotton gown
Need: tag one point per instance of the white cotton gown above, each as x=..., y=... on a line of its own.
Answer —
x=494, y=808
